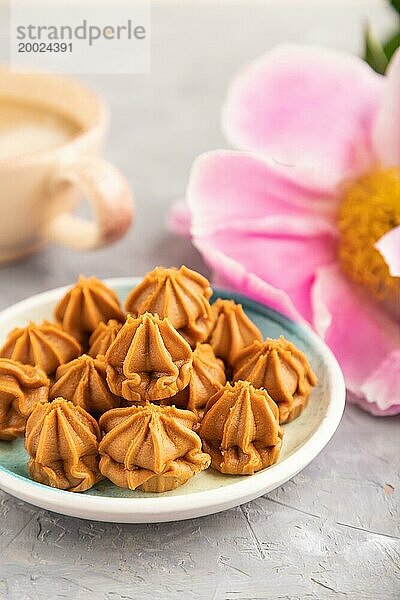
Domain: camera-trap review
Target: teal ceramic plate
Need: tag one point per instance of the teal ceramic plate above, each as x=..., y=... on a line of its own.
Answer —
x=210, y=491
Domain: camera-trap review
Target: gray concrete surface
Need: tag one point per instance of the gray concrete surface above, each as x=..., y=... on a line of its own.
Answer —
x=333, y=531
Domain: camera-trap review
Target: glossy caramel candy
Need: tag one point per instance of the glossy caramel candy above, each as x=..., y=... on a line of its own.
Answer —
x=47, y=346
x=62, y=441
x=148, y=360
x=21, y=388
x=206, y=378
x=282, y=369
x=83, y=382
x=232, y=330
x=103, y=336
x=151, y=448
x=240, y=429
x=181, y=295
x=85, y=305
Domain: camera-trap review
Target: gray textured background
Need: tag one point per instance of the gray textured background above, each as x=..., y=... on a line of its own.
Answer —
x=333, y=531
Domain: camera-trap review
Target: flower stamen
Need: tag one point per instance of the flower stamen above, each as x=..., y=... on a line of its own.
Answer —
x=370, y=208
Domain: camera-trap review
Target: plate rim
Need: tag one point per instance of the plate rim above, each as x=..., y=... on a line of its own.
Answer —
x=171, y=508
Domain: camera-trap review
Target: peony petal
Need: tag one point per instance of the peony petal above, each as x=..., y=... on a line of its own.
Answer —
x=232, y=275
x=358, y=331
x=373, y=408
x=179, y=219
x=285, y=252
x=382, y=388
x=389, y=247
x=226, y=185
x=225, y=188
x=386, y=130
x=309, y=107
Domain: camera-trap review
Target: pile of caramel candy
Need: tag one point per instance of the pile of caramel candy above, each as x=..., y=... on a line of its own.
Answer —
x=152, y=396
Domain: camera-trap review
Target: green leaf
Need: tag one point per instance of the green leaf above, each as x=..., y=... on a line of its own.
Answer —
x=391, y=45
x=396, y=5
x=374, y=54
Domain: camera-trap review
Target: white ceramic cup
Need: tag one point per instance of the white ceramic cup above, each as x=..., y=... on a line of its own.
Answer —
x=40, y=190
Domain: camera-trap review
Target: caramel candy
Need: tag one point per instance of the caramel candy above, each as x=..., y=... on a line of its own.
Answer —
x=207, y=377
x=103, y=336
x=240, y=429
x=62, y=441
x=232, y=330
x=152, y=448
x=181, y=295
x=46, y=346
x=148, y=360
x=280, y=368
x=83, y=382
x=85, y=305
x=21, y=388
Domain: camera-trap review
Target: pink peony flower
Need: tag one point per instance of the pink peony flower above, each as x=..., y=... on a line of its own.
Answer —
x=306, y=218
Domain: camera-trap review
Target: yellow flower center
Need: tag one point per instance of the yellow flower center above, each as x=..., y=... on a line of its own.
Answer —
x=370, y=208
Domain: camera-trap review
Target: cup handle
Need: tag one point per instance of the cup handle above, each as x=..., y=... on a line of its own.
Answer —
x=110, y=198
